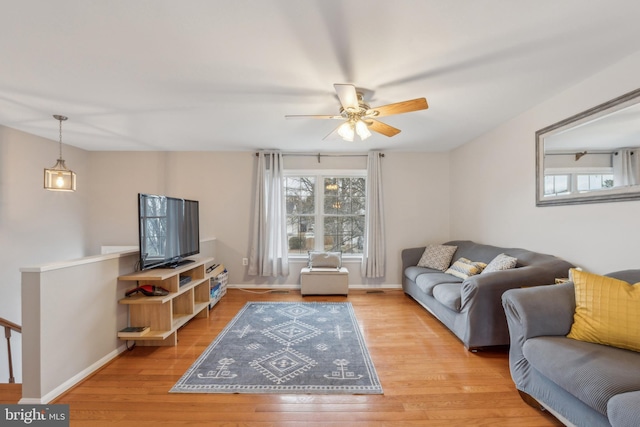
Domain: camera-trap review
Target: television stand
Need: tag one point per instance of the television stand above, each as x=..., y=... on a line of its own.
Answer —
x=166, y=314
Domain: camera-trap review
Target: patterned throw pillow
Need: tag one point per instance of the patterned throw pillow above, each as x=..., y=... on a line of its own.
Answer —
x=607, y=311
x=501, y=262
x=437, y=257
x=464, y=268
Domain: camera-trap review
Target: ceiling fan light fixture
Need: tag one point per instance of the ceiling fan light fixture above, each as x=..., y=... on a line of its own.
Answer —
x=346, y=131
x=362, y=130
x=360, y=118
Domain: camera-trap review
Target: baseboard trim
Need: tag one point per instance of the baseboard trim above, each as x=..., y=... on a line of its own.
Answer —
x=297, y=286
x=80, y=376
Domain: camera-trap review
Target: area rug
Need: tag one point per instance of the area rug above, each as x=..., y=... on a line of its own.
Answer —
x=285, y=347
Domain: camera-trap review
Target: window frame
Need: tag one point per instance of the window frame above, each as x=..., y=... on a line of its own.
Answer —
x=319, y=215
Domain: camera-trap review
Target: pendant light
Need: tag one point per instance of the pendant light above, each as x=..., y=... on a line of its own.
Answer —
x=59, y=178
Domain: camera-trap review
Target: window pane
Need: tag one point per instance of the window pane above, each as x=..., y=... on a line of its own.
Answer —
x=300, y=233
x=300, y=201
x=607, y=181
x=358, y=205
x=583, y=182
x=358, y=187
x=330, y=186
x=332, y=205
x=562, y=183
x=556, y=184
x=344, y=233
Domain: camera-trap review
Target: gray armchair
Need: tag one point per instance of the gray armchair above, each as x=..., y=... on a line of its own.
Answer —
x=581, y=383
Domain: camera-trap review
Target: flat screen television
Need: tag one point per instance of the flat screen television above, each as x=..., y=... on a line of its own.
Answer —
x=169, y=230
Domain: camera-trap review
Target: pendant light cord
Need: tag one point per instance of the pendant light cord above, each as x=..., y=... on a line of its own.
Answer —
x=60, y=120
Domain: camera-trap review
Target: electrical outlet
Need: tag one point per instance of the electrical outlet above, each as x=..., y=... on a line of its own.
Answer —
x=245, y=261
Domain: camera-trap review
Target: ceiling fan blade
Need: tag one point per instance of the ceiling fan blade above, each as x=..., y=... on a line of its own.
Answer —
x=313, y=117
x=333, y=135
x=347, y=95
x=382, y=128
x=401, y=107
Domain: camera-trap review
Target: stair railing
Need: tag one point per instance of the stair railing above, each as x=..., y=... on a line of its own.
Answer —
x=8, y=327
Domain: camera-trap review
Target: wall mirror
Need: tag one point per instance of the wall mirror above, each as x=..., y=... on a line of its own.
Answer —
x=592, y=157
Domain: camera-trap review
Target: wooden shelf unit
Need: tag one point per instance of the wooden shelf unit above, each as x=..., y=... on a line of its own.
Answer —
x=166, y=314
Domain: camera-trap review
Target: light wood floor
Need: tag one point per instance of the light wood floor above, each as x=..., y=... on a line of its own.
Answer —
x=428, y=378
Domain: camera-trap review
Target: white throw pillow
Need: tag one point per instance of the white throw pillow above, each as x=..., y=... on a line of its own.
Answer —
x=437, y=257
x=501, y=262
x=325, y=259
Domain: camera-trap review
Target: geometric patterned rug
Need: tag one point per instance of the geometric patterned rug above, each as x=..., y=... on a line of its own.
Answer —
x=286, y=347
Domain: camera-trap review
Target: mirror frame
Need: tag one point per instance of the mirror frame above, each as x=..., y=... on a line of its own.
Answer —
x=603, y=196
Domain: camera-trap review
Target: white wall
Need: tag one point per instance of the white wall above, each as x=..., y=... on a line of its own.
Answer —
x=415, y=186
x=36, y=225
x=493, y=186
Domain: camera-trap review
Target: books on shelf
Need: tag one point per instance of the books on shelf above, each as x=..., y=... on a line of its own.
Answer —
x=133, y=331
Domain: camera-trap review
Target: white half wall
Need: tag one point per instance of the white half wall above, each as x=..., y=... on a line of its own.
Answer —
x=494, y=180
x=36, y=225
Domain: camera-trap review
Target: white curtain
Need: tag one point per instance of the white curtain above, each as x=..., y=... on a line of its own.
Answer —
x=374, y=252
x=626, y=167
x=269, y=249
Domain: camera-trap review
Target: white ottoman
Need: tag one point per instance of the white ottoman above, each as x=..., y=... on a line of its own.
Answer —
x=324, y=281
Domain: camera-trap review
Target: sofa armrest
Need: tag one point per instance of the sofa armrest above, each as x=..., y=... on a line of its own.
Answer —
x=481, y=299
x=411, y=256
x=532, y=312
x=623, y=409
x=541, y=310
x=494, y=284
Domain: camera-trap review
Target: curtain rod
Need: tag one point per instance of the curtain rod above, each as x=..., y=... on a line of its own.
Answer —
x=319, y=155
x=571, y=153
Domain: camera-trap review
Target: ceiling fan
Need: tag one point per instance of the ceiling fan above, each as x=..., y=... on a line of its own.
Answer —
x=359, y=118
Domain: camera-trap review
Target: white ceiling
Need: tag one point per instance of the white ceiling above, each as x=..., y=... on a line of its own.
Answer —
x=222, y=74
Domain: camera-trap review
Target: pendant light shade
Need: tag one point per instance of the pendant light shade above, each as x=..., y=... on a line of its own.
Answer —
x=58, y=177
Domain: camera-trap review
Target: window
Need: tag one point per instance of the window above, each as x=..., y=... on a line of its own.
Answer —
x=593, y=182
x=556, y=184
x=561, y=181
x=325, y=212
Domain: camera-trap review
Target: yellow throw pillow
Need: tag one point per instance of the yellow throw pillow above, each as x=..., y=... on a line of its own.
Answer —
x=607, y=311
x=464, y=268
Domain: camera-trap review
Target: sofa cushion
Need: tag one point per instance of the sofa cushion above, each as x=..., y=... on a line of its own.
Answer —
x=448, y=294
x=412, y=273
x=437, y=257
x=426, y=282
x=501, y=262
x=593, y=373
x=464, y=268
x=607, y=311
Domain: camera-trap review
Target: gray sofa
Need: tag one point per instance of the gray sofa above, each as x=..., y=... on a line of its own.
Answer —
x=581, y=383
x=472, y=308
